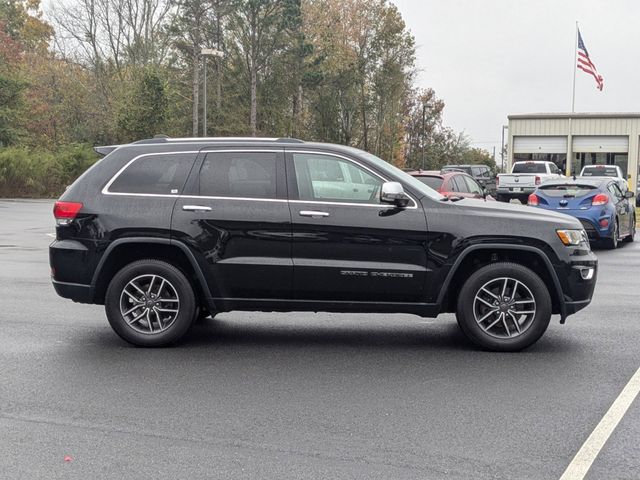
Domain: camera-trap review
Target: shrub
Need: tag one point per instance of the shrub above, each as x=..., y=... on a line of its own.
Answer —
x=35, y=172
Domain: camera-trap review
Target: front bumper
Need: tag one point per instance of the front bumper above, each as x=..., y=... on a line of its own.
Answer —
x=580, y=276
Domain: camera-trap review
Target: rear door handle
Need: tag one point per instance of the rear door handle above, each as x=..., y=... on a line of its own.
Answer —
x=313, y=213
x=196, y=208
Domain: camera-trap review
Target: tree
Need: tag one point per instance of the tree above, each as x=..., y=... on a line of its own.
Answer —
x=144, y=113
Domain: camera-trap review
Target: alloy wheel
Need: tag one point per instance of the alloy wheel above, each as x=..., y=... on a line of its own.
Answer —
x=149, y=304
x=504, y=308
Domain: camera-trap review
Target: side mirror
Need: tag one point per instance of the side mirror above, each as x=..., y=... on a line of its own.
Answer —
x=392, y=192
x=629, y=194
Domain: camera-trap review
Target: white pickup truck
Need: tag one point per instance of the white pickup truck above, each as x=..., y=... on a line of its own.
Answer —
x=524, y=178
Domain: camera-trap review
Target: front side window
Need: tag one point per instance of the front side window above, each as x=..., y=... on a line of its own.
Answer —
x=239, y=174
x=155, y=174
x=332, y=179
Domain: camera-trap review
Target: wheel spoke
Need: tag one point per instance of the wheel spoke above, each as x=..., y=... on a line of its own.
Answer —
x=166, y=310
x=515, y=322
x=155, y=310
x=489, y=293
x=524, y=311
x=487, y=315
x=132, y=297
x=521, y=302
x=513, y=293
x=494, y=323
x=135, y=319
x=504, y=322
x=149, y=320
x=133, y=284
x=491, y=305
x=150, y=288
x=504, y=287
x=161, y=287
x=174, y=300
x=135, y=307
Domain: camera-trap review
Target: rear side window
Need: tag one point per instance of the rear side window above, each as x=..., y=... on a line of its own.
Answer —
x=239, y=174
x=155, y=174
x=568, y=191
x=433, y=182
x=526, y=167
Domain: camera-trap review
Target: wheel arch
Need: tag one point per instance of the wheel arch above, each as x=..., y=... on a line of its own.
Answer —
x=477, y=256
x=126, y=250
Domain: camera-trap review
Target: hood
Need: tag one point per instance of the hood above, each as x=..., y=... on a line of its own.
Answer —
x=508, y=213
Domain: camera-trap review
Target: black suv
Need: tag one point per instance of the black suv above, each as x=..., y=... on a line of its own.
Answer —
x=480, y=173
x=163, y=231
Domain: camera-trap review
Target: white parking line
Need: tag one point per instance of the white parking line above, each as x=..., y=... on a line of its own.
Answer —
x=583, y=460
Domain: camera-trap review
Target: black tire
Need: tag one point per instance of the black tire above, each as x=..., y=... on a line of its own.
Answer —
x=611, y=243
x=536, y=324
x=176, y=325
x=632, y=232
x=502, y=198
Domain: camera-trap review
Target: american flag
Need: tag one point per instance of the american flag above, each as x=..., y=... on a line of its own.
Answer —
x=586, y=65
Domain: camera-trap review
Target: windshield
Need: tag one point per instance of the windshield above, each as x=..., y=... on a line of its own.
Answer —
x=567, y=191
x=396, y=172
x=433, y=182
x=599, y=171
x=526, y=167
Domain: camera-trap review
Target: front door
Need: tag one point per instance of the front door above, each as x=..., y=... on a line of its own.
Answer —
x=237, y=220
x=347, y=246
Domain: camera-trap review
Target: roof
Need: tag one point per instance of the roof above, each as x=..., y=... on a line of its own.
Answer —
x=525, y=116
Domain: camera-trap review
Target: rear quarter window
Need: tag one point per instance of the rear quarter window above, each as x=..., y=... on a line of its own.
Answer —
x=163, y=174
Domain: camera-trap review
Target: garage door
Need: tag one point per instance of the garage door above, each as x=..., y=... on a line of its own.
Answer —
x=617, y=144
x=539, y=144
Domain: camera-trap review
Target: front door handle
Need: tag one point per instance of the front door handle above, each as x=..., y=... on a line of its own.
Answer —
x=313, y=213
x=196, y=208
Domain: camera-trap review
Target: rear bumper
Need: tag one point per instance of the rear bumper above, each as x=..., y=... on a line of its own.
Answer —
x=74, y=291
x=510, y=191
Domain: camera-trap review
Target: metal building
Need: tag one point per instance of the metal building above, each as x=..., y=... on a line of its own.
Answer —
x=585, y=138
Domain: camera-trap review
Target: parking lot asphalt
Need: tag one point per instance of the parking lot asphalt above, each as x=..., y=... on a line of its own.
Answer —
x=251, y=395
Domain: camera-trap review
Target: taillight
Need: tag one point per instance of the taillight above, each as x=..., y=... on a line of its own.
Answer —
x=65, y=212
x=497, y=181
x=537, y=180
x=533, y=200
x=600, y=199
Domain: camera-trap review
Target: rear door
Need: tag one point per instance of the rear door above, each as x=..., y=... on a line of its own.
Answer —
x=347, y=246
x=235, y=218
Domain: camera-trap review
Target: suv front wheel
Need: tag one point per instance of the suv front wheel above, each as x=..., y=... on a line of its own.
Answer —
x=504, y=307
x=150, y=303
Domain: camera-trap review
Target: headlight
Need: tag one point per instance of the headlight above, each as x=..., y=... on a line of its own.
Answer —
x=572, y=237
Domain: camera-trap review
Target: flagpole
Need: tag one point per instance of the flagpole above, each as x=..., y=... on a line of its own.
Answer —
x=568, y=166
x=575, y=62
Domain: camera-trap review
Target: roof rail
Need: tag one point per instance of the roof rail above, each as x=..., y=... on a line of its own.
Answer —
x=165, y=139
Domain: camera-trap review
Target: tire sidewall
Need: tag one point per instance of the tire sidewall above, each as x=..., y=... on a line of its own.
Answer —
x=183, y=288
x=466, y=318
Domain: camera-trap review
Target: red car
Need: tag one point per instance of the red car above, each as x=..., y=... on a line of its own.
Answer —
x=451, y=184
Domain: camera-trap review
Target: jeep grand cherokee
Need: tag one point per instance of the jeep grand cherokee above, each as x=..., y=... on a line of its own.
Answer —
x=164, y=230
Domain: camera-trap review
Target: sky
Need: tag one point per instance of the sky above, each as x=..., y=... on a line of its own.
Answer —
x=490, y=58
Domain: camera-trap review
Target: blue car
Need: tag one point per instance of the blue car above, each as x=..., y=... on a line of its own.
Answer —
x=605, y=211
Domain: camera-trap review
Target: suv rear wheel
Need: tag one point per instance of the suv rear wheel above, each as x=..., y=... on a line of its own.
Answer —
x=504, y=307
x=150, y=303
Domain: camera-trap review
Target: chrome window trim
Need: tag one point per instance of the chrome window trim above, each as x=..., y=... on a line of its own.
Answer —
x=105, y=190
x=373, y=172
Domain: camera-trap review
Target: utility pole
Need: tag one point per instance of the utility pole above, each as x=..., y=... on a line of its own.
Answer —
x=424, y=132
x=207, y=52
